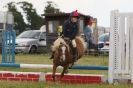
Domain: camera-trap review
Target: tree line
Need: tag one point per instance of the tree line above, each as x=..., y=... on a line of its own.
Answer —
x=34, y=21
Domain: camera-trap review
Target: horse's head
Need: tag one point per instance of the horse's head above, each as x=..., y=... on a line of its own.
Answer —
x=62, y=51
x=62, y=58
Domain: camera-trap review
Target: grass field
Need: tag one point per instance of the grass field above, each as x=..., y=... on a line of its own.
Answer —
x=5, y=84
x=43, y=59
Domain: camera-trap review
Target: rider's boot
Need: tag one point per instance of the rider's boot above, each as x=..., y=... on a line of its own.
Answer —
x=74, y=54
x=52, y=55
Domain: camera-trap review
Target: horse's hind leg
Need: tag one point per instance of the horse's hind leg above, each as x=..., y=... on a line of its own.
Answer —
x=64, y=70
x=54, y=71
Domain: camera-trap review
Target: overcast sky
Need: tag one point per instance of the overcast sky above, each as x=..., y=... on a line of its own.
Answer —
x=99, y=9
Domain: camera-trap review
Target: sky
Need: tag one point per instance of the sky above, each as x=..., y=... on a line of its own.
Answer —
x=99, y=9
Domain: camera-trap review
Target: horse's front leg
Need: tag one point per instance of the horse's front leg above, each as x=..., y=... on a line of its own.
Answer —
x=54, y=72
x=64, y=70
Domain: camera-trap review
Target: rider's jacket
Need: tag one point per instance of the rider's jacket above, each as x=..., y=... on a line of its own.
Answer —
x=70, y=29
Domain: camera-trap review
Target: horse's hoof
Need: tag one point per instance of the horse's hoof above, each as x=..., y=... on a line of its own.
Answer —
x=54, y=79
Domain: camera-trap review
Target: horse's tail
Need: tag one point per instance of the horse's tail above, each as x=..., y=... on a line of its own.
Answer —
x=81, y=47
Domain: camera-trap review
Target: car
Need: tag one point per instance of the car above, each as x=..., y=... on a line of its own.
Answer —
x=31, y=41
x=104, y=39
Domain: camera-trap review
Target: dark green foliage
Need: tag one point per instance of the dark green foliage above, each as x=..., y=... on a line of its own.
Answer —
x=51, y=8
x=19, y=23
x=34, y=20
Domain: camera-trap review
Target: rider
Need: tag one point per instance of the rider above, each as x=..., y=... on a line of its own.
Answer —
x=70, y=31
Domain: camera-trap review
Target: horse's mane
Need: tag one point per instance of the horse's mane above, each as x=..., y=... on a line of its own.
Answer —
x=57, y=43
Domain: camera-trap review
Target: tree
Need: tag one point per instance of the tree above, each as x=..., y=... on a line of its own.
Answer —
x=51, y=8
x=19, y=23
x=34, y=20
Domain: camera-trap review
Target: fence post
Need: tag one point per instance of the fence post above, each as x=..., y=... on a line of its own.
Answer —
x=8, y=39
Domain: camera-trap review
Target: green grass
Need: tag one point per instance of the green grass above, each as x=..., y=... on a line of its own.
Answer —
x=5, y=84
x=43, y=59
x=33, y=59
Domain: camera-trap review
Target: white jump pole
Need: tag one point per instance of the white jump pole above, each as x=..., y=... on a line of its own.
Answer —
x=121, y=47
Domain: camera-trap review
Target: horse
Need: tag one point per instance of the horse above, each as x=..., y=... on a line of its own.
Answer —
x=63, y=54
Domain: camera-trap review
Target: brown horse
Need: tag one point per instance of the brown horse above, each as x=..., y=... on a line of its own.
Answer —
x=63, y=55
